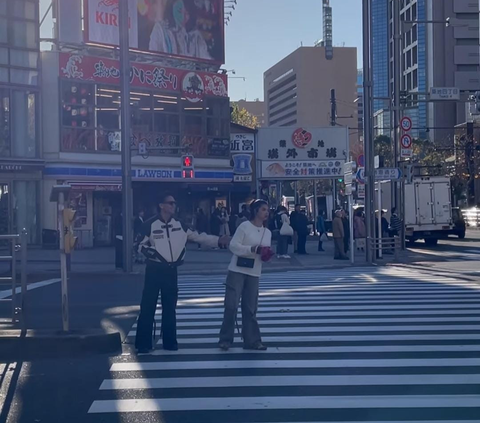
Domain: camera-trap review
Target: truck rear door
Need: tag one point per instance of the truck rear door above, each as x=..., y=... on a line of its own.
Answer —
x=424, y=203
x=442, y=206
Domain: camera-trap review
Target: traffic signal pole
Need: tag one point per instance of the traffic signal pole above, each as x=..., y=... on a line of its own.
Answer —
x=368, y=132
x=127, y=195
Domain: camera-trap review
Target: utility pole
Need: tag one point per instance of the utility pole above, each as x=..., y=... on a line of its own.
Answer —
x=127, y=195
x=368, y=132
x=333, y=108
x=397, y=75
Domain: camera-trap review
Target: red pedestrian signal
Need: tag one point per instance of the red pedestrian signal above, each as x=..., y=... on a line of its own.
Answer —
x=187, y=167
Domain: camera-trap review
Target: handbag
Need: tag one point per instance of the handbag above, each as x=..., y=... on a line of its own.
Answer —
x=247, y=262
x=286, y=230
x=324, y=237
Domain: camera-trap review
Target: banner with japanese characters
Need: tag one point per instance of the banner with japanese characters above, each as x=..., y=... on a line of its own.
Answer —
x=298, y=143
x=193, y=85
x=302, y=152
x=302, y=169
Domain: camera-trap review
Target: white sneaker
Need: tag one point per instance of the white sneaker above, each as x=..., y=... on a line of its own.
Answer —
x=286, y=256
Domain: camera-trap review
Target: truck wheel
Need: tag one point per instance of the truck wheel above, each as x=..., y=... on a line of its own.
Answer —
x=431, y=242
x=411, y=242
x=461, y=235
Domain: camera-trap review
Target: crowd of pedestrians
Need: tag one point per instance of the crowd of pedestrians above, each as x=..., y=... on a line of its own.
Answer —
x=161, y=242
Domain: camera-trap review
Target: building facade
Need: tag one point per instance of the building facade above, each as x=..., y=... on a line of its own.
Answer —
x=178, y=106
x=297, y=89
x=359, y=101
x=21, y=161
x=380, y=51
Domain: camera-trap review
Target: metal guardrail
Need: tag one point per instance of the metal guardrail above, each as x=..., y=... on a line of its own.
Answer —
x=389, y=246
x=18, y=244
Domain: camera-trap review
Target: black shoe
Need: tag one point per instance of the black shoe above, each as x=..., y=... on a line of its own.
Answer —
x=321, y=250
x=170, y=347
x=224, y=346
x=258, y=346
x=144, y=350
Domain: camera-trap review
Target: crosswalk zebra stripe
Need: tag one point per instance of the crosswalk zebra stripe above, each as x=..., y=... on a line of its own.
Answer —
x=288, y=313
x=335, y=329
x=265, y=323
x=344, y=347
x=290, y=364
x=339, y=338
x=353, y=307
x=318, y=350
x=284, y=403
x=244, y=381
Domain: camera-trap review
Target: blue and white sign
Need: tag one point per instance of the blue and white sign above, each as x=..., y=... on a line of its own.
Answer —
x=382, y=174
x=242, y=164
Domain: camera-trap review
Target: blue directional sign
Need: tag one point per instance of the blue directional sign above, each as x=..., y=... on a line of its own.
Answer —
x=381, y=174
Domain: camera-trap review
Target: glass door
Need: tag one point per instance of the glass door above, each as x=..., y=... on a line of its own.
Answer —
x=5, y=215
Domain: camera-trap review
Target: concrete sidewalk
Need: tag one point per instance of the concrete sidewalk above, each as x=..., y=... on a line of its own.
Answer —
x=197, y=260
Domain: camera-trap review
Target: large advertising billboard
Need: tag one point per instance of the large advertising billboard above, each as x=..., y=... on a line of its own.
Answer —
x=191, y=29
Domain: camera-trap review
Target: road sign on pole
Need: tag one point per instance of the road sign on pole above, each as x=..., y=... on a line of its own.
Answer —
x=406, y=141
x=406, y=123
x=382, y=174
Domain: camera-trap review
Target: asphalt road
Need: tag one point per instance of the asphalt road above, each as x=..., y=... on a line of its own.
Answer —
x=355, y=345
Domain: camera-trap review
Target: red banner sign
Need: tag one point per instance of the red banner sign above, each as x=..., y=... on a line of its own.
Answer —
x=194, y=85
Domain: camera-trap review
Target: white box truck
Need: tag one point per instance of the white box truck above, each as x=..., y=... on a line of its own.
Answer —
x=428, y=209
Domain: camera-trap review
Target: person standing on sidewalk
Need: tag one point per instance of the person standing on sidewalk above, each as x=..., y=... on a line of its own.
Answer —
x=338, y=236
x=250, y=246
x=359, y=230
x=303, y=232
x=285, y=231
x=163, y=243
x=321, y=229
x=294, y=224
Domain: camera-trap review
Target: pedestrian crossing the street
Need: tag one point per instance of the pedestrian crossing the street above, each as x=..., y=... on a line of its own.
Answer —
x=354, y=345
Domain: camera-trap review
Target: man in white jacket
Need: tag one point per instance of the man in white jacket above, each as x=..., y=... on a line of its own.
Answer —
x=164, y=245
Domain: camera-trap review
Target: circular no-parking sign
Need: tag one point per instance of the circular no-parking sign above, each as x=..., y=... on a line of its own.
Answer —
x=406, y=141
x=406, y=123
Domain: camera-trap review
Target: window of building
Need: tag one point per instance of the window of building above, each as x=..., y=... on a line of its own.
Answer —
x=19, y=42
x=91, y=120
x=18, y=123
x=415, y=55
x=415, y=78
x=414, y=33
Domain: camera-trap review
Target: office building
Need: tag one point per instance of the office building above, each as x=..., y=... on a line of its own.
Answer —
x=380, y=37
x=297, y=89
x=452, y=61
x=21, y=161
x=359, y=102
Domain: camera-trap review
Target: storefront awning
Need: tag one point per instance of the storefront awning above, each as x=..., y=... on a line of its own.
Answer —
x=224, y=188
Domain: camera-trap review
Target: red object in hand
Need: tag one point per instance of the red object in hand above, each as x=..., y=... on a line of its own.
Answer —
x=266, y=253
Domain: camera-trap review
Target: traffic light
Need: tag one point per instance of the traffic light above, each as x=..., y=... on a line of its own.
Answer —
x=188, y=171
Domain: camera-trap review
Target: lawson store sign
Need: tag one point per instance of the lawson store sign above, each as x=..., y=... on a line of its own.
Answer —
x=154, y=174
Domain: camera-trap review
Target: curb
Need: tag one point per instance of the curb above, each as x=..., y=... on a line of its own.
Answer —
x=52, y=344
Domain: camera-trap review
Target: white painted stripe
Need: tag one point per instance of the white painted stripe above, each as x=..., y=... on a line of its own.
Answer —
x=8, y=293
x=348, y=338
x=306, y=350
x=284, y=403
x=261, y=314
x=265, y=322
x=317, y=380
x=195, y=310
x=352, y=301
x=335, y=329
x=307, y=292
x=293, y=364
x=342, y=298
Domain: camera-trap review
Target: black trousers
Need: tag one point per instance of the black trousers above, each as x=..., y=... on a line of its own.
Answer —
x=163, y=280
x=302, y=242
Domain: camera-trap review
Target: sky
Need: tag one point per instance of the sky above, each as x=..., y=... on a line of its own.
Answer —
x=262, y=32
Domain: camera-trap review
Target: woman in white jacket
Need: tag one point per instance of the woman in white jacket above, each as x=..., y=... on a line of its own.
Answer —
x=250, y=242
